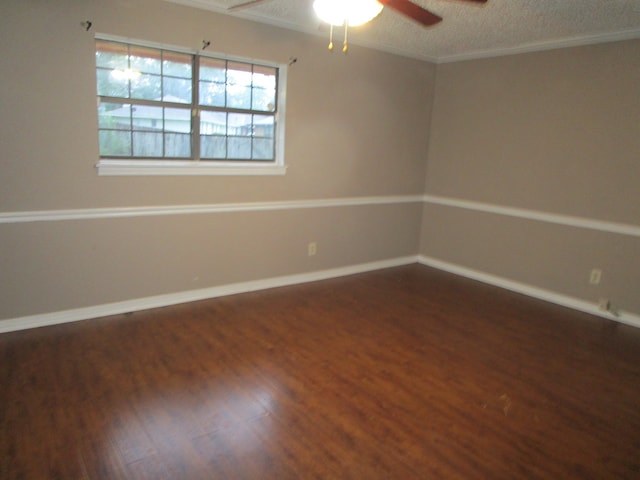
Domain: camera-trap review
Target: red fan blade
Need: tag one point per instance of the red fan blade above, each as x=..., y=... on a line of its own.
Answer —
x=411, y=10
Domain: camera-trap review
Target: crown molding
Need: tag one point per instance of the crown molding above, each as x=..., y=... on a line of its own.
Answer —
x=542, y=46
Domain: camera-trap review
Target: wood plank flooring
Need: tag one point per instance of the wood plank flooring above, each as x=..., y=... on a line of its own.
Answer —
x=405, y=373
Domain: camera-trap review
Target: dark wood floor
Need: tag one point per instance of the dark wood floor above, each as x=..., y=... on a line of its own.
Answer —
x=406, y=373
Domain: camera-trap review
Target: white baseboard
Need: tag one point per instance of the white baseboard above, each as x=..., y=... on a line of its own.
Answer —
x=86, y=313
x=535, y=292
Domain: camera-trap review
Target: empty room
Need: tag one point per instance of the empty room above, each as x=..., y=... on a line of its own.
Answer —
x=309, y=239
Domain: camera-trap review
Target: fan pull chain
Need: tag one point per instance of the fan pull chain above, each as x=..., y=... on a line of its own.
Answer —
x=330, y=47
x=345, y=46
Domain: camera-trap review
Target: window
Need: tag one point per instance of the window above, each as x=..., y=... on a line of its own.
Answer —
x=165, y=111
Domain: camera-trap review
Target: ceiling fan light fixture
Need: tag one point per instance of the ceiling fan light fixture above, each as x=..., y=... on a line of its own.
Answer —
x=347, y=12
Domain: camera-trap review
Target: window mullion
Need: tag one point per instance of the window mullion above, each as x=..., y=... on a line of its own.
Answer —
x=235, y=110
x=195, y=108
x=164, y=111
x=253, y=126
x=141, y=101
x=226, y=109
x=131, y=148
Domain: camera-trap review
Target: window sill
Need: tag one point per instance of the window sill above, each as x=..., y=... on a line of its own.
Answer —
x=175, y=168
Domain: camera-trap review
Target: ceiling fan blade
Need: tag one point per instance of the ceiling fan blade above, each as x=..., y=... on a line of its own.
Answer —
x=411, y=10
x=242, y=5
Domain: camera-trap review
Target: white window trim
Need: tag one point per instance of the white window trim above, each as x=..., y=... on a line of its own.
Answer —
x=161, y=167
x=133, y=167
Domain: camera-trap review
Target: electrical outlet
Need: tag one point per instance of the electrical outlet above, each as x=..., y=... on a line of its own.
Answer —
x=595, y=276
x=312, y=249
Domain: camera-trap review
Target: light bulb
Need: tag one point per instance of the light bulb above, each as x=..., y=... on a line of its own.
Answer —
x=351, y=12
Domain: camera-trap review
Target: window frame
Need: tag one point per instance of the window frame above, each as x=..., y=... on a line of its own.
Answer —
x=194, y=166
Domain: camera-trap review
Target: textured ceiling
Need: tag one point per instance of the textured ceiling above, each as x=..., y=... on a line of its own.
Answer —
x=468, y=31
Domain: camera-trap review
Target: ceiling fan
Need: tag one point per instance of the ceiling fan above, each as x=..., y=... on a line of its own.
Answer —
x=404, y=7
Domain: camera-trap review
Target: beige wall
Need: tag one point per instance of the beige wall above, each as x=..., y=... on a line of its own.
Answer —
x=351, y=123
x=555, y=132
x=57, y=266
x=350, y=119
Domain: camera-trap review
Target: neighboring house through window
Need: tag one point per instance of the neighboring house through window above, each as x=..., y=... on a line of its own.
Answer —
x=164, y=111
